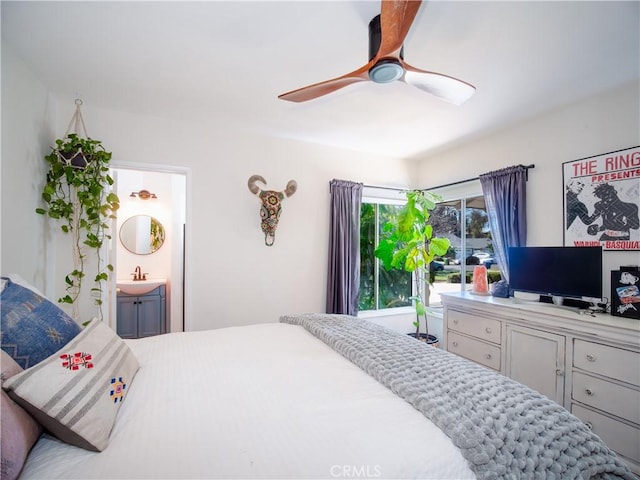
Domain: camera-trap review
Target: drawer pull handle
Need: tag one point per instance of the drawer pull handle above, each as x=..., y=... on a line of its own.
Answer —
x=591, y=358
x=589, y=425
x=559, y=372
x=488, y=356
x=455, y=321
x=488, y=330
x=588, y=391
x=455, y=344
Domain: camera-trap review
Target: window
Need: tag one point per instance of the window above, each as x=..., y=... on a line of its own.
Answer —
x=379, y=288
x=461, y=217
x=465, y=223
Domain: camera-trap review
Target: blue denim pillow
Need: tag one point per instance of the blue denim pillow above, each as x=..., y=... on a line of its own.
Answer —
x=33, y=328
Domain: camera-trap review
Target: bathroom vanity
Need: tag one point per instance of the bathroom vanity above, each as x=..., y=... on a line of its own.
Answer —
x=141, y=315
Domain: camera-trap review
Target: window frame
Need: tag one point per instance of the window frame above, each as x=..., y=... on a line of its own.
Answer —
x=380, y=196
x=462, y=192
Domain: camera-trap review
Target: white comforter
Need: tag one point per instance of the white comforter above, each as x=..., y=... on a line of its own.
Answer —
x=264, y=401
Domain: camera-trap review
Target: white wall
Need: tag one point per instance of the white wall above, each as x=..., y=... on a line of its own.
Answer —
x=27, y=113
x=596, y=125
x=233, y=278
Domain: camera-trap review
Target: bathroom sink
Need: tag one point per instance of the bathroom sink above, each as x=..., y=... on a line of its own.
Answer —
x=139, y=287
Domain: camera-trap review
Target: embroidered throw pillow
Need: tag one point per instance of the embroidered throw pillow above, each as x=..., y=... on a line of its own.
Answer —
x=19, y=431
x=76, y=393
x=32, y=327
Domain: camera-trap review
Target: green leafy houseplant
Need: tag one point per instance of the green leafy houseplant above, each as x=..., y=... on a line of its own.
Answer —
x=77, y=193
x=157, y=235
x=408, y=244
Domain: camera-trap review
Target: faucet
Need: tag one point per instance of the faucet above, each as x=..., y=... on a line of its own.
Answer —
x=138, y=275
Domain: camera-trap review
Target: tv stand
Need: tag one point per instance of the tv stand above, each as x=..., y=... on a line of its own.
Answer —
x=590, y=364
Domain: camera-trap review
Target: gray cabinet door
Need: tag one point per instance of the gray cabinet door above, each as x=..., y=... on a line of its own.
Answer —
x=536, y=358
x=127, y=317
x=150, y=316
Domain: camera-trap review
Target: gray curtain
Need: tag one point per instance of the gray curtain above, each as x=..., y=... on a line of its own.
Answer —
x=343, y=278
x=506, y=200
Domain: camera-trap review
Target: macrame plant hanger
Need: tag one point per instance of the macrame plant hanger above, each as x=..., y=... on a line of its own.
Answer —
x=76, y=126
x=76, y=160
x=77, y=121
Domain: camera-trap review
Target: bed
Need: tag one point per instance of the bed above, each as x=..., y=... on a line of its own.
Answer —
x=311, y=396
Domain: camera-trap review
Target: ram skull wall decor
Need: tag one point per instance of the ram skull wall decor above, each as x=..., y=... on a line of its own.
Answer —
x=271, y=205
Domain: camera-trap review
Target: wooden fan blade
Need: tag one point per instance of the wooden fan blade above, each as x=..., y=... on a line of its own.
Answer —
x=396, y=18
x=442, y=86
x=322, y=88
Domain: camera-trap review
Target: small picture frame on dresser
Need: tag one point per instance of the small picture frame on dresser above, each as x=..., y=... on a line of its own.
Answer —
x=625, y=293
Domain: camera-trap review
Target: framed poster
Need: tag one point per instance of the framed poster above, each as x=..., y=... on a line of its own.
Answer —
x=601, y=200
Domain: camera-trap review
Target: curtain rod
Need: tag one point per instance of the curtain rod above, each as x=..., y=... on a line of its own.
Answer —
x=441, y=186
x=385, y=188
x=473, y=179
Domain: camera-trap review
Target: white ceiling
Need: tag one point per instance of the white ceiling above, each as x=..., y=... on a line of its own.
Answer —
x=226, y=62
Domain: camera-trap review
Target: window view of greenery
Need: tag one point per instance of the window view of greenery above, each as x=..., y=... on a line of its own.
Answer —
x=447, y=220
x=380, y=289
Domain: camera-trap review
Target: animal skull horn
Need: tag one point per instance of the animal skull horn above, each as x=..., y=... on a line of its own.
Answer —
x=271, y=205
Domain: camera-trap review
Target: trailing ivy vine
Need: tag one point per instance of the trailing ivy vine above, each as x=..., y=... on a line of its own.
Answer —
x=77, y=193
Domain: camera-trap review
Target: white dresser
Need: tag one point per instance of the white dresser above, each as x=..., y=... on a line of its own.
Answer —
x=588, y=364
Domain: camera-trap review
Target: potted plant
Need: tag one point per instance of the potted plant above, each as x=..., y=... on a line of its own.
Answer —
x=408, y=244
x=77, y=193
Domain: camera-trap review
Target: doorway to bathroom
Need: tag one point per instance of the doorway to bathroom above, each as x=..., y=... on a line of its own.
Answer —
x=149, y=238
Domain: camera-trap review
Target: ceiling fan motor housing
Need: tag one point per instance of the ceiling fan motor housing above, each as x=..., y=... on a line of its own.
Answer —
x=387, y=69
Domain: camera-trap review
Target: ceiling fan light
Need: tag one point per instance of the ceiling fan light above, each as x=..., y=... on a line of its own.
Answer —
x=386, y=71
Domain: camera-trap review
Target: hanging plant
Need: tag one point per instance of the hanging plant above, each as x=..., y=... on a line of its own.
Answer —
x=77, y=193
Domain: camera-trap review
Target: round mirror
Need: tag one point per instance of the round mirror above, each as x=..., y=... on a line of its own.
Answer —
x=142, y=234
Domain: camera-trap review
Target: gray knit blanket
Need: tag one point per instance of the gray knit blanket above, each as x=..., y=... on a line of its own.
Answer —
x=503, y=429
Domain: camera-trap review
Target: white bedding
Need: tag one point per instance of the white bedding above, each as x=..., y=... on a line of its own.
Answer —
x=263, y=401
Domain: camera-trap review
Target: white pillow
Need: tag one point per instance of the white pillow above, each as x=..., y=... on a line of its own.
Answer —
x=76, y=392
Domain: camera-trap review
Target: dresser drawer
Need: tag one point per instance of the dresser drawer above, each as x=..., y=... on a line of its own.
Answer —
x=623, y=365
x=620, y=437
x=473, y=349
x=481, y=327
x=607, y=396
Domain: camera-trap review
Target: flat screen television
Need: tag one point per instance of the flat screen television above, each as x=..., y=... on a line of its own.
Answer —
x=568, y=272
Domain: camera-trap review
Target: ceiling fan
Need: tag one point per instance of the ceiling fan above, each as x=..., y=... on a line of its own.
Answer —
x=387, y=32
